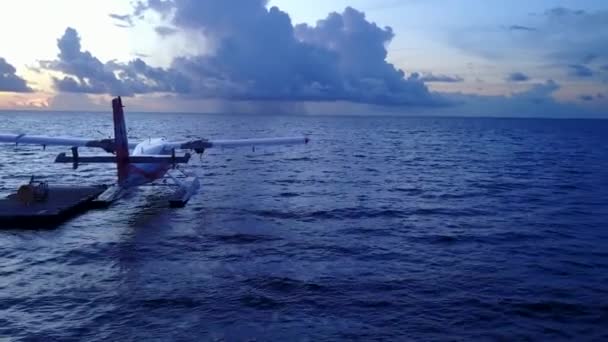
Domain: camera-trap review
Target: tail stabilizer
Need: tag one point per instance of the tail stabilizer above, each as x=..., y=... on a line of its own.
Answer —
x=121, y=143
x=141, y=159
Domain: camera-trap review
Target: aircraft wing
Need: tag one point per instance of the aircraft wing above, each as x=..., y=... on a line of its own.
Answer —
x=203, y=144
x=105, y=144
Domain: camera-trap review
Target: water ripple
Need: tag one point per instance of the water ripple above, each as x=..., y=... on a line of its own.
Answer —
x=381, y=229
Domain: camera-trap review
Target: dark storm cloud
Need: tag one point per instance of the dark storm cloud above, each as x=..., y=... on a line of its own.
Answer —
x=87, y=74
x=579, y=70
x=9, y=81
x=124, y=20
x=260, y=55
x=165, y=31
x=430, y=78
x=564, y=12
x=521, y=28
x=517, y=77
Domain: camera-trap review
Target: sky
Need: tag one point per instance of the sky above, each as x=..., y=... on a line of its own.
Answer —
x=538, y=58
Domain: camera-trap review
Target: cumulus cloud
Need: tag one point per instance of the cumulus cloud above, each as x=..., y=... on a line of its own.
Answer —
x=517, y=77
x=257, y=55
x=84, y=73
x=579, y=70
x=124, y=20
x=430, y=78
x=9, y=81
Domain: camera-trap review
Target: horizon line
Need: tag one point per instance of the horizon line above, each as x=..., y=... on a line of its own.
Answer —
x=439, y=116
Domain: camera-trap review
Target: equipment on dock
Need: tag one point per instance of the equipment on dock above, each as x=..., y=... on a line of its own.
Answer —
x=42, y=205
x=33, y=192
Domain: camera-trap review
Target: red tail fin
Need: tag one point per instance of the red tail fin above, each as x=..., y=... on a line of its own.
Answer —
x=120, y=141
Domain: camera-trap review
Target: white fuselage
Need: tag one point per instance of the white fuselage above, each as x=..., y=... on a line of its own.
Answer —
x=140, y=174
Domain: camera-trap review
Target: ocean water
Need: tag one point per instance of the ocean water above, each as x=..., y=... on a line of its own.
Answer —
x=383, y=228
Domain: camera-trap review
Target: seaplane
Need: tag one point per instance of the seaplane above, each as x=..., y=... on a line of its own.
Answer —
x=144, y=162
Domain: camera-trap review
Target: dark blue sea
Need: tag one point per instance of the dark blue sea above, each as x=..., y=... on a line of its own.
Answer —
x=383, y=228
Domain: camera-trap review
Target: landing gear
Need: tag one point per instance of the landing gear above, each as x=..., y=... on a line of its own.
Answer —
x=186, y=188
x=109, y=196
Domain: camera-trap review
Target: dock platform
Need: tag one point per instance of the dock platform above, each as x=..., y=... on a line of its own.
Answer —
x=62, y=203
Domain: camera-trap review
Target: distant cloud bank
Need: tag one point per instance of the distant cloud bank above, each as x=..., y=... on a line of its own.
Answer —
x=517, y=77
x=9, y=81
x=259, y=55
x=429, y=78
x=579, y=70
x=255, y=54
x=560, y=35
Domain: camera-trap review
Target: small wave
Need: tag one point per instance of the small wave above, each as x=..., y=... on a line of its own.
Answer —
x=260, y=302
x=289, y=194
x=300, y=159
x=365, y=213
x=445, y=239
x=345, y=213
x=497, y=186
x=460, y=195
x=553, y=308
x=408, y=191
x=283, y=285
x=515, y=237
x=468, y=212
x=568, y=187
x=442, y=239
x=366, y=231
x=171, y=303
x=285, y=181
x=372, y=304
x=240, y=238
x=323, y=250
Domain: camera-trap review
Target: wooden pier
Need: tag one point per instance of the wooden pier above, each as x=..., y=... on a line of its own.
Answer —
x=60, y=204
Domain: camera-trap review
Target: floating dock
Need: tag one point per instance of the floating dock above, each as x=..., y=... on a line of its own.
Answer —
x=61, y=203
